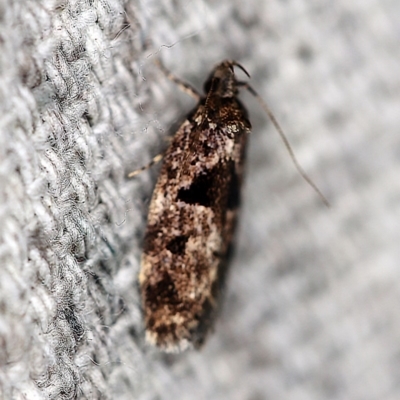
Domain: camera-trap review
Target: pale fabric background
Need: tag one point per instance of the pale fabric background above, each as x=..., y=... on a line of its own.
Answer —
x=311, y=309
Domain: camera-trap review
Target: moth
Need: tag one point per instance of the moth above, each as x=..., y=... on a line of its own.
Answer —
x=192, y=215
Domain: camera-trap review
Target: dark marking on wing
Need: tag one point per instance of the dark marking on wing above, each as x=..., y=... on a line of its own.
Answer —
x=203, y=190
x=234, y=189
x=162, y=292
x=178, y=244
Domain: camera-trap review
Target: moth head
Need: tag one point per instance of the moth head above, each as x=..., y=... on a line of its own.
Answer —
x=222, y=80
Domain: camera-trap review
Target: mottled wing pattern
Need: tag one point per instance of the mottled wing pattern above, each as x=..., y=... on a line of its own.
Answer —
x=190, y=224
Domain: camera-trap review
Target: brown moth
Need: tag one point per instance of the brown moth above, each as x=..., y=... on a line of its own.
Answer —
x=193, y=211
x=192, y=216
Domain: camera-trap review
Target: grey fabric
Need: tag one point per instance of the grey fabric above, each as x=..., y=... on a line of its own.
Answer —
x=311, y=305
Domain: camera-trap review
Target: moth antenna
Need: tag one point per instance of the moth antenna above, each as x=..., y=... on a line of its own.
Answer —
x=241, y=67
x=285, y=141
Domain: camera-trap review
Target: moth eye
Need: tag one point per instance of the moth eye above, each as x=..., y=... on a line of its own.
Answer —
x=207, y=84
x=211, y=81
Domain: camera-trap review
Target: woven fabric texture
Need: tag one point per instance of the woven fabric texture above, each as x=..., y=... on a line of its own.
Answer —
x=310, y=307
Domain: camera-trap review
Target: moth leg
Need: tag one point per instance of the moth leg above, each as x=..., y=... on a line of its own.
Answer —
x=155, y=160
x=185, y=87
